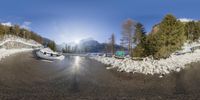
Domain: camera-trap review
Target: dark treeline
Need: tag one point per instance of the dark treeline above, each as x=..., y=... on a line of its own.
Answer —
x=25, y=33
x=165, y=38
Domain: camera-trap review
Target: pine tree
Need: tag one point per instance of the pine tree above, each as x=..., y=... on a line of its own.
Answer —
x=139, y=33
x=139, y=40
x=192, y=30
x=17, y=30
x=52, y=45
x=112, y=44
x=1, y=30
x=169, y=38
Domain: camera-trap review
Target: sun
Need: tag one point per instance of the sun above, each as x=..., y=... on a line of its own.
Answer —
x=77, y=41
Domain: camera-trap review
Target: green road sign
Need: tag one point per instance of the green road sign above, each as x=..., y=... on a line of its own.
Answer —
x=120, y=53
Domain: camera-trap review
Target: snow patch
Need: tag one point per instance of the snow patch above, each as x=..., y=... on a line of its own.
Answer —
x=12, y=38
x=7, y=52
x=49, y=61
x=186, y=20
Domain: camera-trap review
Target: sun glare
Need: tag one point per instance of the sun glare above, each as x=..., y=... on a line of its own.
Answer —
x=77, y=41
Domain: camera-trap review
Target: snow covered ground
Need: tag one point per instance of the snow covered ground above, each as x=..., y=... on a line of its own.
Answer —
x=186, y=20
x=48, y=54
x=10, y=38
x=8, y=52
x=151, y=66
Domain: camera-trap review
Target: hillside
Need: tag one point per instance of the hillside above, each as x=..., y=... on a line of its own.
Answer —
x=10, y=44
x=14, y=39
x=14, y=42
x=19, y=31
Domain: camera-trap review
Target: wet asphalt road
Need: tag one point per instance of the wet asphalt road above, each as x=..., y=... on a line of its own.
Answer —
x=25, y=77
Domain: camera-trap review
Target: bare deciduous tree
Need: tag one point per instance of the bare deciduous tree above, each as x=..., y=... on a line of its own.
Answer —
x=112, y=44
x=128, y=34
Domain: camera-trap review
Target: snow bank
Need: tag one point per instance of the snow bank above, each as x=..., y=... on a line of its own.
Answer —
x=8, y=52
x=48, y=50
x=12, y=38
x=151, y=66
x=48, y=54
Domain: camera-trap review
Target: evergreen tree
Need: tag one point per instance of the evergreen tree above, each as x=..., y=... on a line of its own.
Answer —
x=112, y=43
x=11, y=30
x=17, y=30
x=169, y=38
x=1, y=30
x=139, y=40
x=139, y=33
x=52, y=46
x=192, y=30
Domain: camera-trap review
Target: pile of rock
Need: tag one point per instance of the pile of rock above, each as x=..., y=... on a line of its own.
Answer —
x=149, y=65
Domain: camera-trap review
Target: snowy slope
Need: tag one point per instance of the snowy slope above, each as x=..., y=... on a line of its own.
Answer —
x=10, y=38
x=5, y=52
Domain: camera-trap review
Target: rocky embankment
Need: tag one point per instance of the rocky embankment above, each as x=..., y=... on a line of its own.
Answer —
x=190, y=53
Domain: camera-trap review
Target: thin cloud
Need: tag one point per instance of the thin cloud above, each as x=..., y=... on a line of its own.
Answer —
x=7, y=24
x=26, y=25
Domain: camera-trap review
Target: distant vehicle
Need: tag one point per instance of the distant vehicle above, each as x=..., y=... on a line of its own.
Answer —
x=48, y=54
x=100, y=54
x=109, y=55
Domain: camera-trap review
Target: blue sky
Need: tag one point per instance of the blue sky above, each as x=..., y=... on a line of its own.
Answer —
x=73, y=20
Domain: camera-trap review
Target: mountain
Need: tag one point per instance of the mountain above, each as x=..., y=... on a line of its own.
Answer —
x=88, y=42
x=86, y=45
